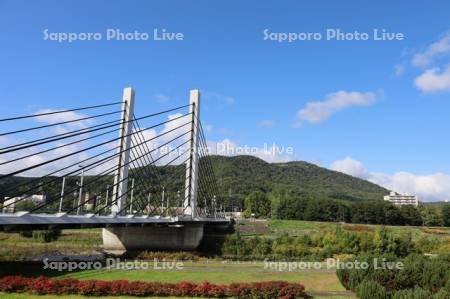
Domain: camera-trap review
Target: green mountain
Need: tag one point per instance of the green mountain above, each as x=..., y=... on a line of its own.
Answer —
x=240, y=175
x=237, y=177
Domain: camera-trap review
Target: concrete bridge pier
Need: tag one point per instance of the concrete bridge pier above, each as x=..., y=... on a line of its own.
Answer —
x=119, y=240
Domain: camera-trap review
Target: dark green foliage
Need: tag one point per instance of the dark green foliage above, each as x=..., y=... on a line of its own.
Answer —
x=244, y=174
x=446, y=214
x=411, y=215
x=46, y=236
x=416, y=293
x=26, y=233
x=301, y=206
x=420, y=275
x=369, y=289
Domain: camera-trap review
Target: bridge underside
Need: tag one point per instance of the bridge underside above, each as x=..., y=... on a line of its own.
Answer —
x=176, y=237
x=26, y=221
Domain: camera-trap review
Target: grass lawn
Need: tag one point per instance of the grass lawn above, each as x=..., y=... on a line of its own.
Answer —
x=313, y=281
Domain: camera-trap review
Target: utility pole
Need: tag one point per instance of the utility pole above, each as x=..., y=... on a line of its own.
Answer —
x=80, y=199
x=107, y=195
x=162, y=198
x=131, y=196
x=62, y=194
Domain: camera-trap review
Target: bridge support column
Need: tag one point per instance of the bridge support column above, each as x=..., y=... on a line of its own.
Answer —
x=179, y=237
x=121, y=177
x=192, y=167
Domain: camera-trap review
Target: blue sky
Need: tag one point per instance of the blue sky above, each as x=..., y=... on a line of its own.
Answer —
x=383, y=105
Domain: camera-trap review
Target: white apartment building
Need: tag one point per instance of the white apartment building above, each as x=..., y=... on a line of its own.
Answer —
x=402, y=199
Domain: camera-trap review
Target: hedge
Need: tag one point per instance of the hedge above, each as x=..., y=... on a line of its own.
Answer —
x=43, y=286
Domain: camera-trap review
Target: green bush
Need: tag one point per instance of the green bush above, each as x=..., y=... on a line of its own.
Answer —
x=370, y=289
x=420, y=275
x=416, y=293
x=324, y=244
x=26, y=233
x=46, y=236
x=442, y=294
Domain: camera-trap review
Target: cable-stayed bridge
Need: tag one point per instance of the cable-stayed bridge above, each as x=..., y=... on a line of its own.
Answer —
x=147, y=179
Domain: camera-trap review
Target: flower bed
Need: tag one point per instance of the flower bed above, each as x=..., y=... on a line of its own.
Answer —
x=43, y=285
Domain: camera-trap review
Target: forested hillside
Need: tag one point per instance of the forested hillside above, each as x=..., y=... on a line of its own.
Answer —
x=241, y=175
x=237, y=177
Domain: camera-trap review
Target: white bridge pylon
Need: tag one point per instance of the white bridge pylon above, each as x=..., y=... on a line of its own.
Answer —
x=192, y=167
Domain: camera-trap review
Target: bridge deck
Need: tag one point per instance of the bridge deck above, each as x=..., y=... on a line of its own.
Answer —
x=23, y=220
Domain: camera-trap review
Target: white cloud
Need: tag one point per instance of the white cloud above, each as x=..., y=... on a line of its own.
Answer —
x=318, y=111
x=351, y=167
x=433, y=51
x=162, y=98
x=267, y=123
x=433, y=80
x=176, y=121
x=431, y=187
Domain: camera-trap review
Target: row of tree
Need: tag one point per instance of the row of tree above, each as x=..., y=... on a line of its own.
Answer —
x=300, y=206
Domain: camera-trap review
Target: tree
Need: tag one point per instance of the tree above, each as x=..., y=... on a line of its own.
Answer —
x=430, y=216
x=393, y=216
x=446, y=214
x=411, y=215
x=258, y=203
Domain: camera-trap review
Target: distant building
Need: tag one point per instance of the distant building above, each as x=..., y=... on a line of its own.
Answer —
x=9, y=203
x=36, y=198
x=402, y=199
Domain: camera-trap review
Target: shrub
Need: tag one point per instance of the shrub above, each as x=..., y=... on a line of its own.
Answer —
x=442, y=294
x=370, y=289
x=426, y=275
x=416, y=293
x=43, y=285
x=46, y=236
x=26, y=233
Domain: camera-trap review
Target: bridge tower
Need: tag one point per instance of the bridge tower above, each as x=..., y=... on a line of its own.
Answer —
x=120, y=190
x=192, y=165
